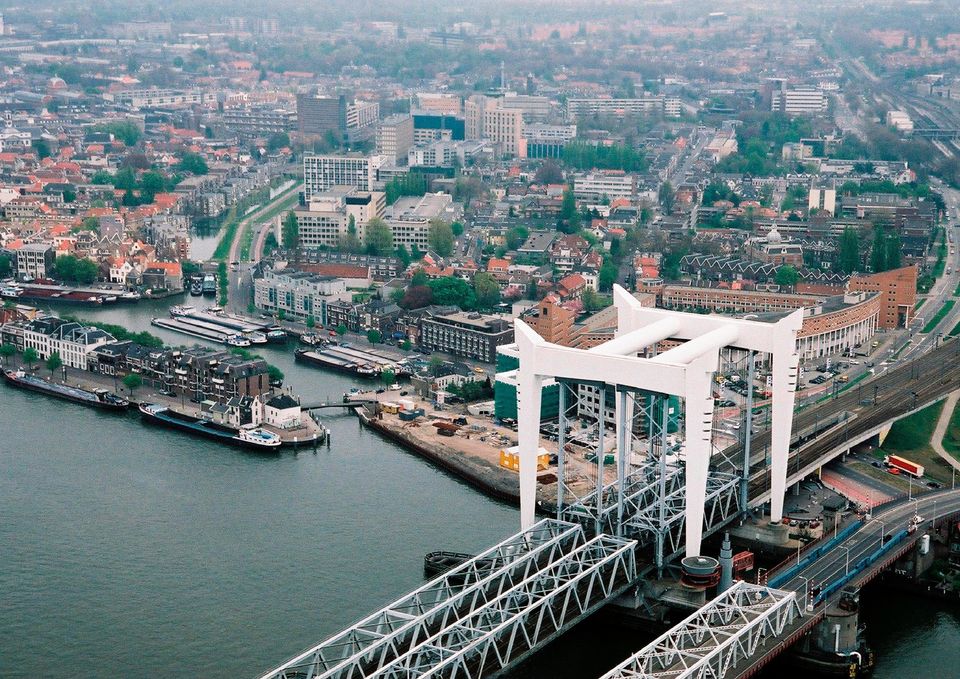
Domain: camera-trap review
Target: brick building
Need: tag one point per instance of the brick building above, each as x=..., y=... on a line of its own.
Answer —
x=898, y=294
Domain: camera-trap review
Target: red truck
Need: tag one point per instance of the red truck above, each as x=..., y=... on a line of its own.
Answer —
x=904, y=465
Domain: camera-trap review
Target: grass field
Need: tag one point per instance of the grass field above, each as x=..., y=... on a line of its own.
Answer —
x=912, y=434
x=944, y=310
x=951, y=437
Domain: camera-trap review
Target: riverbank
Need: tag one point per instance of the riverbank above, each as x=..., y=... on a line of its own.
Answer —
x=474, y=452
x=311, y=432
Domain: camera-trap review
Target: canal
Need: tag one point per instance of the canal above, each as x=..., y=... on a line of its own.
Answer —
x=133, y=551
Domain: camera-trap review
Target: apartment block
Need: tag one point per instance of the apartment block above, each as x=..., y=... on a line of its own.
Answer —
x=395, y=137
x=325, y=219
x=322, y=172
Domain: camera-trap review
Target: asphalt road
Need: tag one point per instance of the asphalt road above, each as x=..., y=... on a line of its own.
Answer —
x=838, y=561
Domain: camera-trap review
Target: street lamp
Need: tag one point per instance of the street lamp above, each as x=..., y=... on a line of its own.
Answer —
x=806, y=593
x=847, y=567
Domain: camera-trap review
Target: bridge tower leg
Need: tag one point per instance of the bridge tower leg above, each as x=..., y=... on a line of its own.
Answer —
x=698, y=425
x=529, y=387
x=784, y=386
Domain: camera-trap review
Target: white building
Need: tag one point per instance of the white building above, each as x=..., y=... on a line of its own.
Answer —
x=72, y=341
x=597, y=185
x=362, y=114
x=282, y=412
x=900, y=121
x=320, y=173
x=298, y=294
x=325, y=220
x=799, y=100
x=824, y=200
x=444, y=153
x=486, y=118
x=35, y=260
x=653, y=104
x=409, y=218
x=395, y=137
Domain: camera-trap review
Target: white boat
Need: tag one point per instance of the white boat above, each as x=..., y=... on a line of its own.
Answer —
x=237, y=341
x=180, y=310
x=256, y=337
x=258, y=437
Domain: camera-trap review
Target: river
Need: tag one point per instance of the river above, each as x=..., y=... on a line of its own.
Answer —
x=134, y=551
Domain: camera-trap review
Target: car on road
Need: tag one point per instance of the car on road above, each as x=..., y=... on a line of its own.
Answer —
x=894, y=471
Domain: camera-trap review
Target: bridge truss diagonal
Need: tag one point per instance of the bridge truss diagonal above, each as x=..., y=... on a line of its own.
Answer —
x=517, y=583
x=713, y=640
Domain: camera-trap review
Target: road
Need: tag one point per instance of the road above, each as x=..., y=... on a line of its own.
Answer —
x=240, y=274
x=837, y=562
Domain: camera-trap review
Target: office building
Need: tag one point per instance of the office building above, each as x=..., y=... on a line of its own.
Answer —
x=444, y=153
x=395, y=137
x=798, y=101
x=469, y=335
x=444, y=104
x=533, y=107
x=362, y=114
x=409, y=218
x=325, y=219
x=595, y=186
x=35, y=260
x=650, y=105
x=259, y=121
x=322, y=172
x=429, y=127
x=318, y=115
x=485, y=118
x=897, y=289
x=298, y=294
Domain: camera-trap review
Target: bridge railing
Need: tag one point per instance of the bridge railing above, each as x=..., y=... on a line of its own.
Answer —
x=815, y=551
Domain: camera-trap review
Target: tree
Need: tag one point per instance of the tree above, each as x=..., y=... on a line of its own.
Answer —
x=125, y=179
x=42, y=148
x=274, y=374
x=548, y=173
x=516, y=237
x=592, y=301
x=124, y=130
x=341, y=330
x=30, y=356
x=436, y=365
x=350, y=242
x=281, y=314
x=374, y=336
x=86, y=272
x=54, y=362
x=403, y=255
x=311, y=322
x=102, y=177
x=894, y=247
x=419, y=278
x=406, y=345
x=487, y=290
x=666, y=195
x=452, y=292
x=787, y=276
x=7, y=351
x=441, y=237
x=416, y=297
x=5, y=266
x=848, y=259
x=608, y=276
x=388, y=377
x=878, y=252
x=151, y=183
x=277, y=141
x=132, y=381
x=457, y=228
x=378, y=237
x=193, y=163
x=290, y=231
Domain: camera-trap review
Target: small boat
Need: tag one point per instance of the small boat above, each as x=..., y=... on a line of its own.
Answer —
x=237, y=341
x=196, y=287
x=256, y=337
x=209, y=285
x=98, y=398
x=276, y=335
x=182, y=310
x=310, y=339
x=258, y=437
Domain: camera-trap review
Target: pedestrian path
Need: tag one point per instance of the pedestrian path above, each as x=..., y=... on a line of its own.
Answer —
x=937, y=441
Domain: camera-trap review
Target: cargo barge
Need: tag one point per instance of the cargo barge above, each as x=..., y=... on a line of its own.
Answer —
x=325, y=360
x=246, y=437
x=99, y=398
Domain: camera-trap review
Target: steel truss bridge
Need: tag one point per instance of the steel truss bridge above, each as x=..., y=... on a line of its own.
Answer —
x=723, y=633
x=483, y=616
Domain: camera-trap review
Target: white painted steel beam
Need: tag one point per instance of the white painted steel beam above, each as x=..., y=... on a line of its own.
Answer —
x=711, y=641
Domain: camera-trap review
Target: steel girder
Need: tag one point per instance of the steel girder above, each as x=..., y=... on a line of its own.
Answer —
x=362, y=649
x=641, y=490
x=710, y=642
x=664, y=521
x=501, y=633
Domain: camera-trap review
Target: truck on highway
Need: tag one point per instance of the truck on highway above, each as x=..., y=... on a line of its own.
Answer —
x=904, y=465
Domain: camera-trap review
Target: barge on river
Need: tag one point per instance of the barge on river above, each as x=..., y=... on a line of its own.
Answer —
x=99, y=398
x=246, y=437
